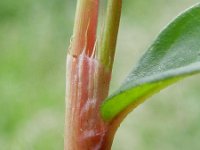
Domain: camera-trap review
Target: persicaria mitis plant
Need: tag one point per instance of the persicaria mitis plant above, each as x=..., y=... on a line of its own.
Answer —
x=92, y=117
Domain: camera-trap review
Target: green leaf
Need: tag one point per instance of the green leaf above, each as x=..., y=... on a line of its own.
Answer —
x=174, y=55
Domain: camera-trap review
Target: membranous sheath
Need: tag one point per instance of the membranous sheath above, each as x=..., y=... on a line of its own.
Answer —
x=87, y=87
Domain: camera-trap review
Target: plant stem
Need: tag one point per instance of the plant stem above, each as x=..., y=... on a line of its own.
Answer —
x=88, y=78
x=109, y=37
x=85, y=26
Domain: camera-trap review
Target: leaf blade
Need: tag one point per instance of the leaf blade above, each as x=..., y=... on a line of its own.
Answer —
x=174, y=55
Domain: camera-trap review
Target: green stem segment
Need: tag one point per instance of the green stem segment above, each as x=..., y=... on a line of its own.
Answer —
x=110, y=32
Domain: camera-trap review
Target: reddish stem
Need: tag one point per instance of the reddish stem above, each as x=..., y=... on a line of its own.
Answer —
x=85, y=27
x=88, y=80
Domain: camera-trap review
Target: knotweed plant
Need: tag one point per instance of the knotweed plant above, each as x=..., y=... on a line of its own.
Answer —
x=92, y=117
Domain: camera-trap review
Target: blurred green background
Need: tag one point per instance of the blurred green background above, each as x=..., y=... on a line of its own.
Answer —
x=34, y=36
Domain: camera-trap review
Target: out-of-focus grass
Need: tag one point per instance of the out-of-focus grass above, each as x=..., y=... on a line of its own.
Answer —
x=33, y=41
x=34, y=36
